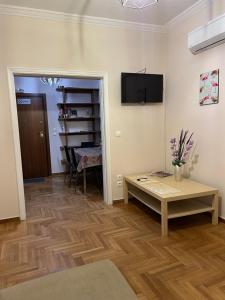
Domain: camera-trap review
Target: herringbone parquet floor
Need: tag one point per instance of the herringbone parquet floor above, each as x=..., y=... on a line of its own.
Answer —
x=65, y=230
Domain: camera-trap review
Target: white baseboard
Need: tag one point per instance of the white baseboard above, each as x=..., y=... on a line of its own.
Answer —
x=119, y=199
x=10, y=218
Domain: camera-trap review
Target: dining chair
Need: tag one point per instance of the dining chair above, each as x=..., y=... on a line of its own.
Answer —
x=87, y=144
x=67, y=162
x=71, y=167
x=74, y=165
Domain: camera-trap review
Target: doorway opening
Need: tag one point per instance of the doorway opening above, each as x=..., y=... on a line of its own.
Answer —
x=61, y=128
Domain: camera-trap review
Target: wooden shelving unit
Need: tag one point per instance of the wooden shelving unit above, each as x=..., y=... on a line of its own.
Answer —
x=78, y=119
x=62, y=148
x=73, y=90
x=70, y=105
x=78, y=133
x=92, y=106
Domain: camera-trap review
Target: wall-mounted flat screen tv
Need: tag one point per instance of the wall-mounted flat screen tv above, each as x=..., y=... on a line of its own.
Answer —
x=141, y=88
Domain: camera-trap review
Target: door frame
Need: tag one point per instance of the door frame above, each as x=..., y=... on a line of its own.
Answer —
x=43, y=96
x=104, y=108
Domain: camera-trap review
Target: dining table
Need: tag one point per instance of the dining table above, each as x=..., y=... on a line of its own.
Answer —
x=87, y=158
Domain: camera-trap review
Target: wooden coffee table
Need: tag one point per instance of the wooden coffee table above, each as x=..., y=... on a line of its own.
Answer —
x=172, y=199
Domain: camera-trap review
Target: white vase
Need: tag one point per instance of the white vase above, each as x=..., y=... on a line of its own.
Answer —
x=178, y=173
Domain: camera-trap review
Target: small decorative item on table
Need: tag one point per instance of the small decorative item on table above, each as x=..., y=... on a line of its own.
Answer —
x=180, y=152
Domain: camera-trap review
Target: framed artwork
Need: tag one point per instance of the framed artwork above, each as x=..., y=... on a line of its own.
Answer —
x=209, y=88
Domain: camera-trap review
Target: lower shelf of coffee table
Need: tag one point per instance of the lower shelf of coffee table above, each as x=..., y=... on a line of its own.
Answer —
x=176, y=209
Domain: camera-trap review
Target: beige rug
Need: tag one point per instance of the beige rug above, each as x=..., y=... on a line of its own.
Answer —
x=96, y=281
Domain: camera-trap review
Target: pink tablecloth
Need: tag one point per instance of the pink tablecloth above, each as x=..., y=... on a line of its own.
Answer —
x=88, y=157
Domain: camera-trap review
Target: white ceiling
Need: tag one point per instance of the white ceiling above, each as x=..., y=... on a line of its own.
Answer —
x=158, y=14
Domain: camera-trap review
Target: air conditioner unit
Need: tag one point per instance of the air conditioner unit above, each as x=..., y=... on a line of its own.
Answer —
x=205, y=37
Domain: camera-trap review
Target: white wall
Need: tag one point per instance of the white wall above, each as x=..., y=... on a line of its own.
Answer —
x=28, y=42
x=34, y=85
x=36, y=43
x=182, y=99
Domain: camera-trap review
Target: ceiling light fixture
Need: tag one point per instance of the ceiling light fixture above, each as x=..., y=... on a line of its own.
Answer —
x=138, y=3
x=50, y=81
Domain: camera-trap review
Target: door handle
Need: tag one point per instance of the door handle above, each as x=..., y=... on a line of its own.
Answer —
x=41, y=134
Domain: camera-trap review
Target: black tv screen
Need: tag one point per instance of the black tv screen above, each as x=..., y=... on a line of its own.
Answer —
x=141, y=88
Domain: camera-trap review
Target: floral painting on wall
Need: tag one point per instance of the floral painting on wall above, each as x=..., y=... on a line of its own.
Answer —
x=209, y=88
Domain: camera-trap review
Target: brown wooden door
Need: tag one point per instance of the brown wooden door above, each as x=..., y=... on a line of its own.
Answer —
x=33, y=129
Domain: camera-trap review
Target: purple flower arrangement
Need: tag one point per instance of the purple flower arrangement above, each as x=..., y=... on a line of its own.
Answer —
x=181, y=148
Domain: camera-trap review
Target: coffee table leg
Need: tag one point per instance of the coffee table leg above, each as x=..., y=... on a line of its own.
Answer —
x=164, y=218
x=215, y=206
x=125, y=192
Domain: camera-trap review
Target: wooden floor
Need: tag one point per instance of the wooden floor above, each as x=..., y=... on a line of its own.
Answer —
x=65, y=230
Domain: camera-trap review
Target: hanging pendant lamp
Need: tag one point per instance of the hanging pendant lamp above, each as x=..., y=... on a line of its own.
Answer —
x=138, y=3
x=50, y=81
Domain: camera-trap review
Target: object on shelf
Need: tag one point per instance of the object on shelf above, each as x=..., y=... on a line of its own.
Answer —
x=61, y=114
x=160, y=174
x=63, y=128
x=73, y=112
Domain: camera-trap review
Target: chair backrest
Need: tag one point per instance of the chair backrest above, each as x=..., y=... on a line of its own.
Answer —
x=74, y=161
x=66, y=148
x=87, y=144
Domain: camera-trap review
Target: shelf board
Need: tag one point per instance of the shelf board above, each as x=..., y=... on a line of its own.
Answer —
x=146, y=199
x=188, y=207
x=63, y=105
x=78, y=119
x=79, y=133
x=176, y=209
x=76, y=90
x=62, y=147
